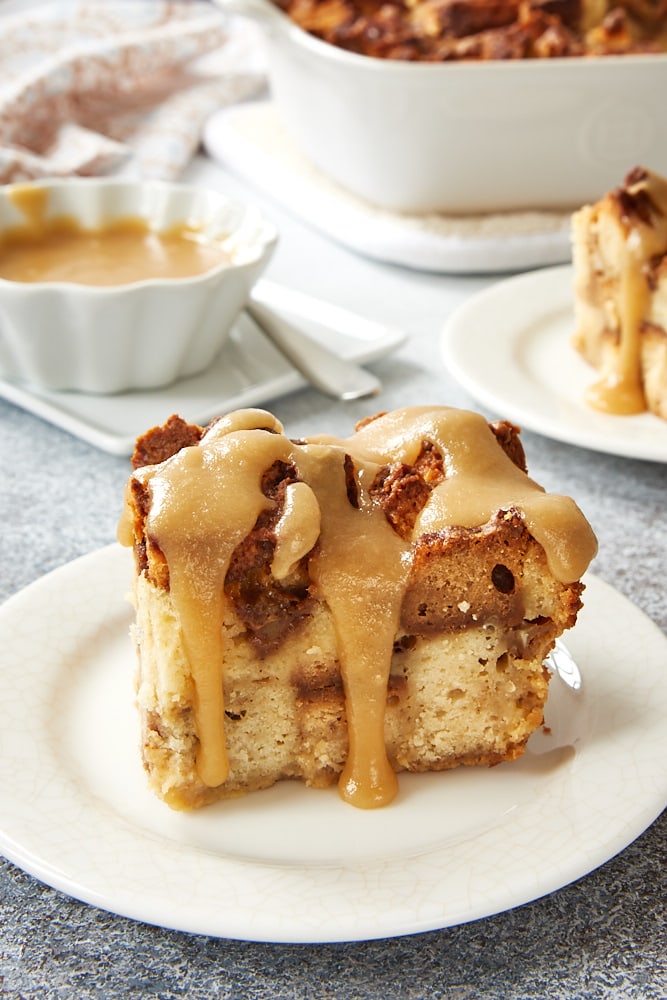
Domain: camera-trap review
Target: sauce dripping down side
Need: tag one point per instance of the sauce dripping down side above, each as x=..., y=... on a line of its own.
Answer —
x=641, y=204
x=206, y=499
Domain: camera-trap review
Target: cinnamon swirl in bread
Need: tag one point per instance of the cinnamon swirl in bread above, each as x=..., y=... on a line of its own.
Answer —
x=340, y=610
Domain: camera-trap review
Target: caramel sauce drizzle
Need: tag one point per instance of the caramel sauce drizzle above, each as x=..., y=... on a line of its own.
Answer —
x=206, y=499
x=361, y=570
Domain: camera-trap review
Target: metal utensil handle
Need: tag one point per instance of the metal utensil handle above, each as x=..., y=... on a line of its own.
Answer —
x=323, y=368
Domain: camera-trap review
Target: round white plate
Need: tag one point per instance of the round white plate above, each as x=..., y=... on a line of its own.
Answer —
x=509, y=346
x=295, y=864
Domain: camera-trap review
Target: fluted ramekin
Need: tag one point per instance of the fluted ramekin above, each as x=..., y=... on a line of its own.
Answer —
x=143, y=335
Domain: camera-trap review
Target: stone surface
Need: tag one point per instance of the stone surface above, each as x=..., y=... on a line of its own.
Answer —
x=603, y=937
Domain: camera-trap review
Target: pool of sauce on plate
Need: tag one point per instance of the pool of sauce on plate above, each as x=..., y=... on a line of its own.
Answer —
x=120, y=251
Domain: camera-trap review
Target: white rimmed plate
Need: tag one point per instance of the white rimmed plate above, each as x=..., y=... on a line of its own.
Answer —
x=298, y=865
x=248, y=371
x=509, y=346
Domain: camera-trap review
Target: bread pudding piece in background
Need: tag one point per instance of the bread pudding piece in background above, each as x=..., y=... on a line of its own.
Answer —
x=620, y=286
x=444, y=30
x=339, y=610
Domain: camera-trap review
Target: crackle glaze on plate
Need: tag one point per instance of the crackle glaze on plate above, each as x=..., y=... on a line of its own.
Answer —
x=510, y=347
x=298, y=865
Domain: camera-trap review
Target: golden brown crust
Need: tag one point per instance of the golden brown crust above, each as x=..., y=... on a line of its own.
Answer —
x=508, y=438
x=160, y=443
x=462, y=575
x=270, y=609
x=402, y=491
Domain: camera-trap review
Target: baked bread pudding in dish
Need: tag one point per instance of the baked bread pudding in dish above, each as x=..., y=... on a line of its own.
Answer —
x=340, y=610
x=619, y=255
x=445, y=30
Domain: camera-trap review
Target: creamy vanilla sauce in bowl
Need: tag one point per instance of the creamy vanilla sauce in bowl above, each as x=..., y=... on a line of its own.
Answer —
x=111, y=286
x=118, y=251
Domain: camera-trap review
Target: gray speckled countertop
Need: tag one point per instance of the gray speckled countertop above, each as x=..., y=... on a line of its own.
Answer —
x=604, y=936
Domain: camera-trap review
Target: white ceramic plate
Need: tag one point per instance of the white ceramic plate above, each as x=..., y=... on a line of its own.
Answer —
x=248, y=371
x=509, y=346
x=299, y=865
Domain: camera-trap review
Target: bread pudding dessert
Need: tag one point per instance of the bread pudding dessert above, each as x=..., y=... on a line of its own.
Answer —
x=619, y=252
x=445, y=30
x=341, y=610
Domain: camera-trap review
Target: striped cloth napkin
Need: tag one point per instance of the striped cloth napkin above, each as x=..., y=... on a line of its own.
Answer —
x=94, y=86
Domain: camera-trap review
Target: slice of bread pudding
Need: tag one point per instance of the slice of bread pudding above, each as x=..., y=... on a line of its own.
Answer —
x=340, y=610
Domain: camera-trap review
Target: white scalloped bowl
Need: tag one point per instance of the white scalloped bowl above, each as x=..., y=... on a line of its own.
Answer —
x=142, y=335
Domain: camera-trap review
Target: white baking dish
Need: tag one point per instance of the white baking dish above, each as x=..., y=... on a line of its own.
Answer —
x=466, y=137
